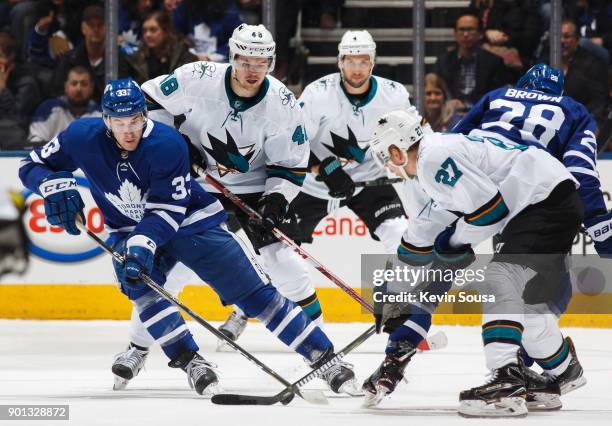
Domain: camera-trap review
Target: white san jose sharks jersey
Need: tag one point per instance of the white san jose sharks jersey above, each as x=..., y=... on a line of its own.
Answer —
x=340, y=125
x=251, y=145
x=485, y=181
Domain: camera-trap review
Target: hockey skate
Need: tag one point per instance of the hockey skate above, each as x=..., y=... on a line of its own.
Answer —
x=339, y=377
x=232, y=328
x=504, y=395
x=572, y=378
x=201, y=375
x=387, y=376
x=127, y=365
x=542, y=392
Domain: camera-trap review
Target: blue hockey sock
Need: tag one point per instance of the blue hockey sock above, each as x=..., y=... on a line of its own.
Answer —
x=414, y=329
x=166, y=325
x=287, y=321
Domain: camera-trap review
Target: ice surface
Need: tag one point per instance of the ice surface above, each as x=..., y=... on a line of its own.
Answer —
x=68, y=362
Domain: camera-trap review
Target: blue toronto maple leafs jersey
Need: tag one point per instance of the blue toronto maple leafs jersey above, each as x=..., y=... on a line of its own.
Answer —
x=558, y=124
x=147, y=191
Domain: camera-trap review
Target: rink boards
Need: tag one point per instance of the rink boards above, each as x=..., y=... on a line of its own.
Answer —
x=69, y=277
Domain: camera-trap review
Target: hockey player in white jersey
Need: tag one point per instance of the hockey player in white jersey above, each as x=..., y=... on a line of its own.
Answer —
x=340, y=110
x=248, y=128
x=493, y=187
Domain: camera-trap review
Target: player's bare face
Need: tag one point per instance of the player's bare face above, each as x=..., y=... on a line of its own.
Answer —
x=127, y=130
x=249, y=74
x=356, y=70
x=401, y=163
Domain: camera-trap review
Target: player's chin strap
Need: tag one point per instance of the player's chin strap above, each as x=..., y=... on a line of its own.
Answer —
x=315, y=397
x=280, y=235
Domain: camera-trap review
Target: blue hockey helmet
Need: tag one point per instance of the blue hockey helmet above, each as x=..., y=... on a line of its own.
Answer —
x=543, y=78
x=123, y=98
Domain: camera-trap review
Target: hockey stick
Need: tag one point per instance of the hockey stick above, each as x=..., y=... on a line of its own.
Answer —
x=290, y=243
x=378, y=182
x=315, y=397
x=293, y=388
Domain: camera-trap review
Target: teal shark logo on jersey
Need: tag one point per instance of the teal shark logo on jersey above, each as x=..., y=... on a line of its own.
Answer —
x=228, y=156
x=347, y=149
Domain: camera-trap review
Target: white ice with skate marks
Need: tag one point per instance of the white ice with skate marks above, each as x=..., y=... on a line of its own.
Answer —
x=68, y=362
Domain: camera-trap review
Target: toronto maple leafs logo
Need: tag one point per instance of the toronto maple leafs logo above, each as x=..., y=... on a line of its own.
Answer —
x=287, y=97
x=203, y=69
x=346, y=149
x=230, y=158
x=130, y=201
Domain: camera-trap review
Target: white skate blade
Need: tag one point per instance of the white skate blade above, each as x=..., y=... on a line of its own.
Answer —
x=119, y=383
x=437, y=341
x=351, y=388
x=506, y=407
x=572, y=386
x=211, y=390
x=372, y=400
x=544, y=402
x=223, y=346
x=314, y=397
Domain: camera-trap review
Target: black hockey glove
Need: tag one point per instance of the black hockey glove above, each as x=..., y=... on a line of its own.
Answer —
x=454, y=257
x=337, y=180
x=195, y=157
x=273, y=209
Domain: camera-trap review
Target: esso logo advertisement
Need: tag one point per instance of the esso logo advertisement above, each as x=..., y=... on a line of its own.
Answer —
x=52, y=242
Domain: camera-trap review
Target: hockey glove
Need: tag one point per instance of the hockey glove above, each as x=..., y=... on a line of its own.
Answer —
x=196, y=158
x=140, y=251
x=337, y=180
x=454, y=257
x=62, y=201
x=600, y=230
x=273, y=209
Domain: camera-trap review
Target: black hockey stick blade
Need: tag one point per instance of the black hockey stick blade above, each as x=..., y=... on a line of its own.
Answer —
x=234, y=399
x=284, y=397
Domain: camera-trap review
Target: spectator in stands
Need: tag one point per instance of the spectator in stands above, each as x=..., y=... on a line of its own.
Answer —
x=586, y=76
x=512, y=29
x=170, y=6
x=469, y=70
x=21, y=19
x=55, y=33
x=54, y=115
x=89, y=54
x=322, y=13
x=161, y=50
x=19, y=95
x=594, y=22
x=440, y=111
x=130, y=17
x=250, y=10
x=208, y=26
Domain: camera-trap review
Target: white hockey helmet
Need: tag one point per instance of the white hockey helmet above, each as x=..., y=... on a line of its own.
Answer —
x=356, y=43
x=254, y=41
x=401, y=128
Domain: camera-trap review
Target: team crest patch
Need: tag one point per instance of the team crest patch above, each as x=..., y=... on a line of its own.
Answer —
x=287, y=97
x=229, y=157
x=203, y=69
x=130, y=201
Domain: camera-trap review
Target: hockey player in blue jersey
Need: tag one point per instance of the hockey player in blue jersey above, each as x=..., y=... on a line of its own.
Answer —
x=536, y=113
x=157, y=216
